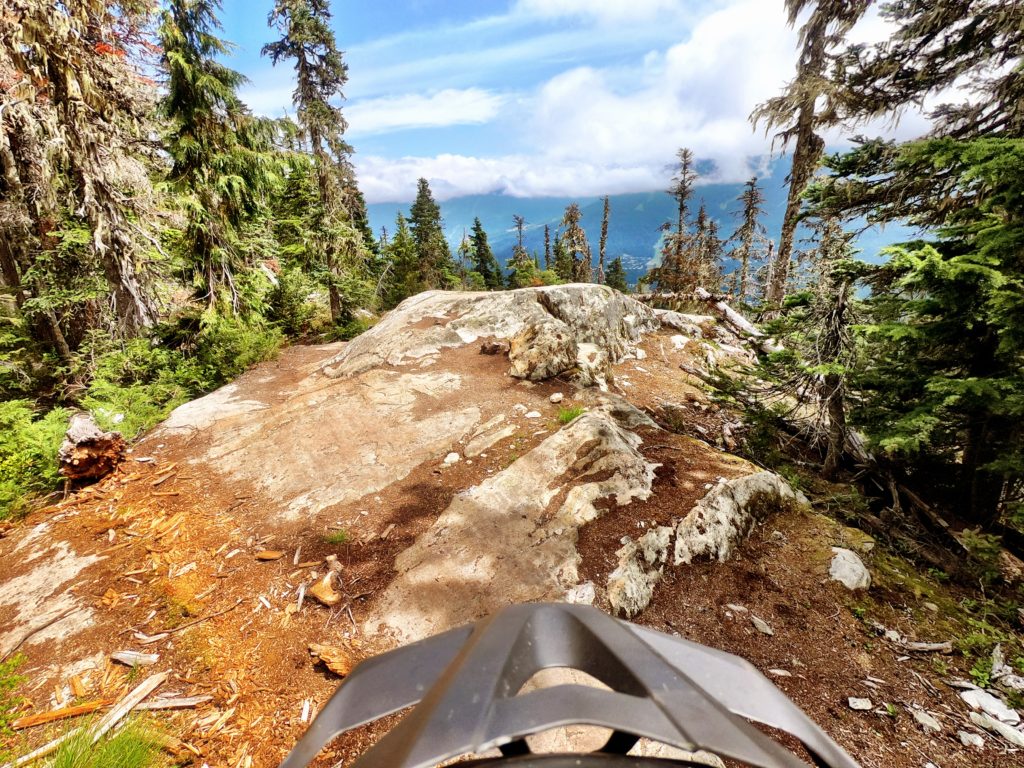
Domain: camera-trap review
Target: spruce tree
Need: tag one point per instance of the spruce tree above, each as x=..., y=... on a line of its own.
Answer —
x=75, y=168
x=548, y=263
x=341, y=232
x=574, y=241
x=484, y=261
x=750, y=238
x=523, y=271
x=403, y=278
x=617, y=278
x=797, y=116
x=222, y=162
x=436, y=269
x=939, y=391
x=604, y=240
x=563, y=261
x=674, y=274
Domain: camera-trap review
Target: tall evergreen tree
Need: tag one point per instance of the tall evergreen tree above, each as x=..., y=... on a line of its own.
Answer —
x=617, y=278
x=603, y=244
x=404, y=278
x=548, y=263
x=563, y=265
x=808, y=104
x=574, y=241
x=750, y=238
x=222, y=166
x=341, y=230
x=939, y=392
x=674, y=274
x=75, y=113
x=484, y=261
x=436, y=267
x=523, y=270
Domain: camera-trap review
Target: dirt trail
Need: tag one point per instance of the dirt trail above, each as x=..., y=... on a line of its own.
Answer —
x=286, y=459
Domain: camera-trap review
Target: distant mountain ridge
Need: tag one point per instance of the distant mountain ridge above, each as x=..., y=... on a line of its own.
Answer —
x=634, y=225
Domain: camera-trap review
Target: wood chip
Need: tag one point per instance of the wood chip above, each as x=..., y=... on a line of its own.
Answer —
x=186, y=702
x=338, y=660
x=270, y=554
x=78, y=687
x=163, y=479
x=41, y=718
x=135, y=659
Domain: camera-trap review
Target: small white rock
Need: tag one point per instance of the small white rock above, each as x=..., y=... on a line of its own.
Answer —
x=848, y=569
x=533, y=415
x=971, y=739
x=927, y=722
x=761, y=625
x=519, y=408
x=735, y=607
x=557, y=397
x=451, y=458
x=1008, y=732
x=861, y=705
x=990, y=705
x=582, y=594
x=641, y=355
x=780, y=672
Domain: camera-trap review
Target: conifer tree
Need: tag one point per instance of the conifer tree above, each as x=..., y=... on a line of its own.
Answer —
x=404, y=279
x=750, y=238
x=435, y=258
x=484, y=261
x=341, y=232
x=797, y=116
x=604, y=240
x=522, y=268
x=563, y=261
x=74, y=234
x=617, y=278
x=548, y=263
x=674, y=274
x=574, y=241
x=222, y=164
x=939, y=390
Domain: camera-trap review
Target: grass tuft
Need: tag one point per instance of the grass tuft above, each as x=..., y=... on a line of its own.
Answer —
x=135, y=745
x=565, y=415
x=336, y=537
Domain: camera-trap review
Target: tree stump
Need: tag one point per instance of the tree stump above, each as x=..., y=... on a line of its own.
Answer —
x=89, y=453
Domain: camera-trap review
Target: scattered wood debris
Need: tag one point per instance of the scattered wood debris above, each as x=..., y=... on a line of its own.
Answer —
x=337, y=659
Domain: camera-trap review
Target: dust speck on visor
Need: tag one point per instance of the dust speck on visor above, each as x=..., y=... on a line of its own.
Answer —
x=466, y=684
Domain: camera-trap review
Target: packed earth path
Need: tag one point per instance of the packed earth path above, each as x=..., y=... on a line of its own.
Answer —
x=469, y=452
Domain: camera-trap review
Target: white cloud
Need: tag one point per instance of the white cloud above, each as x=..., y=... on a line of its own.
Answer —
x=591, y=130
x=602, y=11
x=389, y=180
x=447, y=107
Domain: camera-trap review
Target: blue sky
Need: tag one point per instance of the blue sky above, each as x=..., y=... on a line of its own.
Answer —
x=543, y=97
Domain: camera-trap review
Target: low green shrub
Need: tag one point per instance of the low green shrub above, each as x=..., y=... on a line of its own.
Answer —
x=28, y=453
x=9, y=700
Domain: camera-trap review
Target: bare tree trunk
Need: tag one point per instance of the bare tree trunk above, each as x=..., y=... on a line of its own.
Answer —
x=836, y=411
x=809, y=147
x=604, y=241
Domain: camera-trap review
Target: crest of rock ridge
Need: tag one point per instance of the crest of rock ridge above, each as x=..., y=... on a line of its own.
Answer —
x=546, y=326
